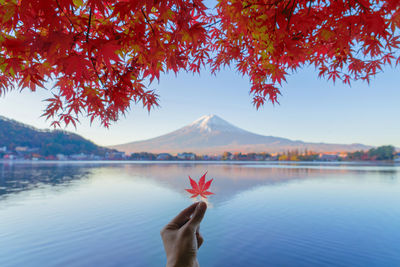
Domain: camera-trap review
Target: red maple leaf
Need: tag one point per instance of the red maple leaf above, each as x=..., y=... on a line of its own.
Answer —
x=200, y=188
x=101, y=54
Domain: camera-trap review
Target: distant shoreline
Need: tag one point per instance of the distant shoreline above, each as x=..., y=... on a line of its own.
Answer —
x=270, y=162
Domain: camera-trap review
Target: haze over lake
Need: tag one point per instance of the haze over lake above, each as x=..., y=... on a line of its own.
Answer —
x=262, y=214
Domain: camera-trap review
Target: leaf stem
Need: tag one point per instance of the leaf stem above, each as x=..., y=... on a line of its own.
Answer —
x=147, y=20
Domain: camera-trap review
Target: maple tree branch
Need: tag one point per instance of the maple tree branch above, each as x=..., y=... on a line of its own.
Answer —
x=147, y=20
x=265, y=4
x=97, y=73
x=70, y=21
x=212, y=24
x=90, y=50
x=362, y=6
x=287, y=5
x=350, y=15
x=309, y=7
x=291, y=13
x=65, y=14
x=89, y=24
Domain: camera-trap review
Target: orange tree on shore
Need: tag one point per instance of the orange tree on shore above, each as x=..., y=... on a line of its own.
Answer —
x=100, y=55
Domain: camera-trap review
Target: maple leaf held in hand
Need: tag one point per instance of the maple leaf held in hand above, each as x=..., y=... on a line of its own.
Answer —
x=200, y=188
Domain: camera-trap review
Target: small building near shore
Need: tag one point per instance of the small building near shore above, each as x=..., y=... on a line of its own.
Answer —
x=115, y=155
x=61, y=157
x=328, y=157
x=186, y=156
x=164, y=156
x=9, y=156
x=81, y=156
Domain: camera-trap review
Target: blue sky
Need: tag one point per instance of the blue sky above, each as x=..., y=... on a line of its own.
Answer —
x=310, y=109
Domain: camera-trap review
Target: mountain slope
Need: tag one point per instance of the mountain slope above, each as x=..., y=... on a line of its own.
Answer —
x=211, y=134
x=15, y=134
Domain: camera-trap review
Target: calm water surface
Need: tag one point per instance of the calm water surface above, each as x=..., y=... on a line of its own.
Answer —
x=262, y=214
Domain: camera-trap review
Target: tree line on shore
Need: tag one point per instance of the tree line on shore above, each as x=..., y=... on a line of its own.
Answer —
x=380, y=153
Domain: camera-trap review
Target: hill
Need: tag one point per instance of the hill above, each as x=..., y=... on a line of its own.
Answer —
x=213, y=135
x=14, y=134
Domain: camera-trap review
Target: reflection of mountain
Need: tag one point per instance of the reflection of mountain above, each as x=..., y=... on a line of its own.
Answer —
x=232, y=179
x=211, y=134
x=229, y=179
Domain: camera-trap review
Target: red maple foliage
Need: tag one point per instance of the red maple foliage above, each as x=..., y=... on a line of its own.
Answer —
x=101, y=55
x=200, y=188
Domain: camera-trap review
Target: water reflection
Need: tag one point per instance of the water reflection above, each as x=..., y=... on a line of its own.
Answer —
x=19, y=177
x=270, y=214
x=229, y=178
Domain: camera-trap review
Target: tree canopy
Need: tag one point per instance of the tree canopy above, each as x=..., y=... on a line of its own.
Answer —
x=101, y=55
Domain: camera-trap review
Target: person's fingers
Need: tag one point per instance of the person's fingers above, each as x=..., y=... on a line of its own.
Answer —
x=198, y=215
x=183, y=217
x=199, y=239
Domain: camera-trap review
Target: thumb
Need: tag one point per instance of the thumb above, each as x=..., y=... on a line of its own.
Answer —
x=198, y=215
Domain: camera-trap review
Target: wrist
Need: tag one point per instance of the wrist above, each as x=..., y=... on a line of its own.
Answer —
x=177, y=263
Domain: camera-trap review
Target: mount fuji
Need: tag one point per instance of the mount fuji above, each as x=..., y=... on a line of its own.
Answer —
x=213, y=135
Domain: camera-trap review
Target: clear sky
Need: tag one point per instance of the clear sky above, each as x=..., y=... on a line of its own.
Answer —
x=310, y=109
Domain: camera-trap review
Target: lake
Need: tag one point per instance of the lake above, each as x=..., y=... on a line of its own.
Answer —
x=262, y=214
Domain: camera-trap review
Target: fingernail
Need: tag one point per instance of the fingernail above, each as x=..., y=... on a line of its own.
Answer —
x=201, y=205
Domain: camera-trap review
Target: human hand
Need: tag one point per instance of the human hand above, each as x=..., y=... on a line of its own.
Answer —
x=181, y=236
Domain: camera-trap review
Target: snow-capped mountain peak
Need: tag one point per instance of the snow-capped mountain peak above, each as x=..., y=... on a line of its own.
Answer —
x=212, y=122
